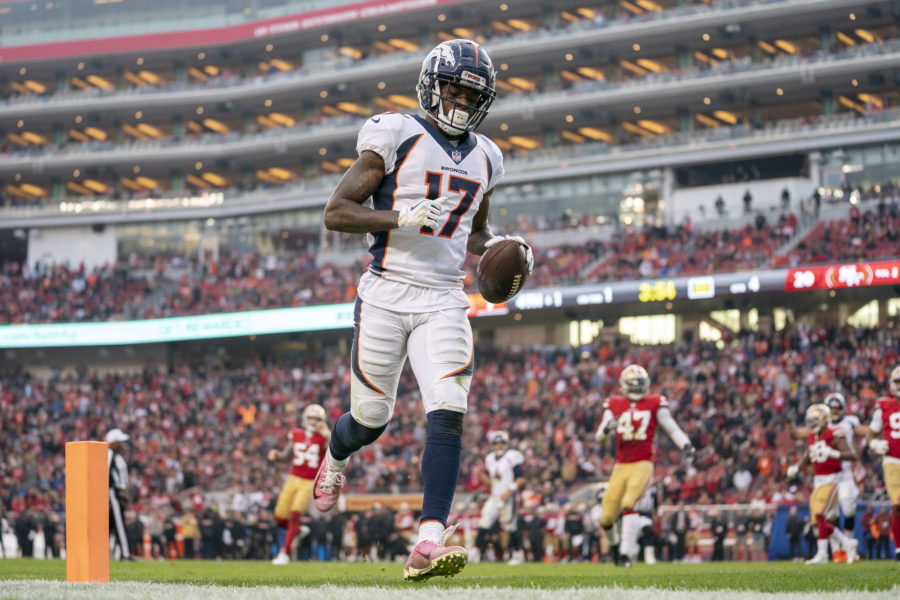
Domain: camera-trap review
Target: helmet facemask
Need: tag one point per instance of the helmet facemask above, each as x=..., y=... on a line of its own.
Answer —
x=836, y=406
x=464, y=64
x=634, y=382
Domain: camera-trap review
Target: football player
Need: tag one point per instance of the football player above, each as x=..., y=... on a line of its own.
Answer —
x=633, y=417
x=886, y=421
x=847, y=488
x=306, y=448
x=827, y=447
x=504, y=469
x=430, y=180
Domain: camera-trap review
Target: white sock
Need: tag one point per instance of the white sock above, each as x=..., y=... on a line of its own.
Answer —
x=840, y=537
x=431, y=531
x=631, y=525
x=822, y=546
x=334, y=464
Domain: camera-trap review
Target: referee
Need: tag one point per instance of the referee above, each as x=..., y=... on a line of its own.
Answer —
x=118, y=498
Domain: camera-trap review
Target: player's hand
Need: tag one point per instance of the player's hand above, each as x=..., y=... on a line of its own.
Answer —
x=879, y=447
x=834, y=453
x=792, y=471
x=273, y=455
x=688, y=454
x=424, y=214
x=610, y=426
x=529, y=255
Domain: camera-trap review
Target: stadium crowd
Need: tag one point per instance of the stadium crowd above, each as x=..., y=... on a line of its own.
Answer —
x=175, y=286
x=201, y=434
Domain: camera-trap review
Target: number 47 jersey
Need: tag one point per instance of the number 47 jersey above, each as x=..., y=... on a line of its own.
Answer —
x=636, y=425
x=420, y=163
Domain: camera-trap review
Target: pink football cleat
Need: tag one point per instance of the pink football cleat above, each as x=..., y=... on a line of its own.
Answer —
x=429, y=559
x=328, y=486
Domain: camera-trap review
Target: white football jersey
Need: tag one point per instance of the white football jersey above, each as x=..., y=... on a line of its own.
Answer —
x=847, y=424
x=420, y=163
x=501, y=469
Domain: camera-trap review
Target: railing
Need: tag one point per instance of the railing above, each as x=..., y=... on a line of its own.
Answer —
x=315, y=192
x=234, y=80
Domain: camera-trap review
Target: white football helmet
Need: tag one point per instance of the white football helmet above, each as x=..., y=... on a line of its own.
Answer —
x=837, y=405
x=895, y=382
x=634, y=382
x=817, y=417
x=499, y=437
x=311, y=414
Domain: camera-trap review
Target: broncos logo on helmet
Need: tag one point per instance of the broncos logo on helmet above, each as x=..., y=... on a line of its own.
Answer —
x=634, y=382
x=462, y=63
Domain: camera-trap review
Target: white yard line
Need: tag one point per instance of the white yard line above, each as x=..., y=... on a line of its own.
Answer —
x=57, y=590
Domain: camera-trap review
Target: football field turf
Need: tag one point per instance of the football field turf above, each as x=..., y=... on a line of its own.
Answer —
x=241, y=580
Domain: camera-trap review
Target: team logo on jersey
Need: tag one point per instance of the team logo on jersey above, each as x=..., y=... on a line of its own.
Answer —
x=456, y=155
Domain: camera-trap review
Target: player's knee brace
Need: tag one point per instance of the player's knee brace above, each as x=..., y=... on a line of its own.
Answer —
x=445, y=427
x=449, y=394
x=349, y=436
x=479, y=538
x=849, y=522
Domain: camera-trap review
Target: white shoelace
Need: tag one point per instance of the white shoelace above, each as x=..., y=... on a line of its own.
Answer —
x=446, y=535
x=330, y=479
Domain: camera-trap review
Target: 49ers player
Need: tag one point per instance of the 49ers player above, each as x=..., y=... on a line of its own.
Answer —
x=886, y=421
x=634, y=417
x=827, y=447
x=306, y=447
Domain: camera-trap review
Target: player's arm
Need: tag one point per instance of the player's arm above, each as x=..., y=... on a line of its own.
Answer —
x=345, y=212
x=794, y=470
x=483, y=238
x=797, y=433
x=281, y=455
x=481, y=229
x=841, y=449
x=607, y=425
x=668, y=424
x=875, y=443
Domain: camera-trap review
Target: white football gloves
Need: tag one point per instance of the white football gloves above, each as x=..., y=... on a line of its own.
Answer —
x=879, y=447
x=528, y=254
x=424, y=214
x=792, y=471
x=688, y=454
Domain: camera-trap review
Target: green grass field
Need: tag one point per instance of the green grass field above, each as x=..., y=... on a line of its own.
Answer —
x=19, y=579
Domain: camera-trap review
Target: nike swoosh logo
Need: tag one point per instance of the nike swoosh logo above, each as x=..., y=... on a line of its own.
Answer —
x=423, y=555
x=417, y=203
x=376, y=119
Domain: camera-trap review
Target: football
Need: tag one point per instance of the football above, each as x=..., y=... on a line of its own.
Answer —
x=502, y=271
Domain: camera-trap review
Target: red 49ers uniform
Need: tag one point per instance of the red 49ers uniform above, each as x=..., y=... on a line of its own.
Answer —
x=823, y=500
x=890, y=431
x=635, y=430
x=308, y=450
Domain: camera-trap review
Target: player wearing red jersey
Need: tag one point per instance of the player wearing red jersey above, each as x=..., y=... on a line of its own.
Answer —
x=306, y=447
x=886, y=421
x=827, y=447
x=634, y=417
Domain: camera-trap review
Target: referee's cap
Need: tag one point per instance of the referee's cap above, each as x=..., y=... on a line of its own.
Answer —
x=116, y=435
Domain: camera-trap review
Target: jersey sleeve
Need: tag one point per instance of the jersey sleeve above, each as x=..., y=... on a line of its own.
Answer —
x=876, y=424
x=516, y=458
x=381, y=135
x=495, y=161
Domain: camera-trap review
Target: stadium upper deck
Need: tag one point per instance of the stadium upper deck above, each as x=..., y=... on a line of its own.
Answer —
x=575, y=80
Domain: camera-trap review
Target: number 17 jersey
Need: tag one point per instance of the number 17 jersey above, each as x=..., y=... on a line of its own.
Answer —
x=419, y=164
x=636, y=426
